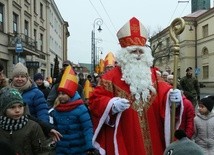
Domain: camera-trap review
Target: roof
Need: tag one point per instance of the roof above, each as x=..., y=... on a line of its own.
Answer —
x=196, y=14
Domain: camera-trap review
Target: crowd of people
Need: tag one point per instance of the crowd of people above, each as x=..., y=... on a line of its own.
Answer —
x=124, y=110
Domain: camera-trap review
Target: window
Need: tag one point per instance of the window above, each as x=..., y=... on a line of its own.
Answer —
x=15, y=23
x=167, y=42
x=1, y=17
x=41, y=10
x=205, y=51
x=26, y=28
x=35, y=37
x=41, y=40
x=34, y=34
x=205, y=30
x=205, y=72
x=34, y=6
x=26, y=31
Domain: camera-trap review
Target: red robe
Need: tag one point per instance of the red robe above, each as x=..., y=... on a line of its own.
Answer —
x=129, y=132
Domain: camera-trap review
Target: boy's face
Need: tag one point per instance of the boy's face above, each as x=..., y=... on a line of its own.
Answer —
x=63, y=97
x=39, y=82
x=15, y=111
x=202, y=109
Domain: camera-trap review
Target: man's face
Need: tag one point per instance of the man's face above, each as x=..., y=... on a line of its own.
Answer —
x=135, y=65
x=189, y=72
x=137, y=52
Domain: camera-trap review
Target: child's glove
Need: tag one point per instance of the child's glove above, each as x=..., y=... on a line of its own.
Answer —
x=120, y=105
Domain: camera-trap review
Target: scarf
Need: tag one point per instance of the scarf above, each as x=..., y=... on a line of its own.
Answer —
x=10, y=124
x=69, y=106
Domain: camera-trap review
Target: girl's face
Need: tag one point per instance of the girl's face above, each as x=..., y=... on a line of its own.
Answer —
x=202, y=109
x=63, y=97
x=15, y=111
x=19, y=80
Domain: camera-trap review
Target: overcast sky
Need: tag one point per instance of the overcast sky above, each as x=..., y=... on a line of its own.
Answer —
x=81, y=14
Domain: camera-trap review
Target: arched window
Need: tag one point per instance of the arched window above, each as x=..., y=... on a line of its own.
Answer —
x=205, y=51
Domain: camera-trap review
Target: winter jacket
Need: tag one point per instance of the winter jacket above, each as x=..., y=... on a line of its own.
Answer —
x=76, y=128
x=204, y=132
x=36, y=102
x=27, y=140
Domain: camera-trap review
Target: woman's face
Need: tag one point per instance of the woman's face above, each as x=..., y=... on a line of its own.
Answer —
x=15, y=111
x=19, y=80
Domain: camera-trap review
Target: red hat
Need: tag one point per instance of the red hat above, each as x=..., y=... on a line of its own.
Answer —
x=132, y=33
x=69, y=82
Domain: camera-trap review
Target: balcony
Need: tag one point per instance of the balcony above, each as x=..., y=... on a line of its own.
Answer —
x=29, y=45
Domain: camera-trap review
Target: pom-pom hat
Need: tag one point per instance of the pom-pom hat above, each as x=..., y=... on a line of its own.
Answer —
x=133, y=33
x=69, y=82
x=183, y=146
x=8, y=97
x=20, y=69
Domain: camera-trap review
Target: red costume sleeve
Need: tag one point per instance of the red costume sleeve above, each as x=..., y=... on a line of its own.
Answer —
x=187, y=123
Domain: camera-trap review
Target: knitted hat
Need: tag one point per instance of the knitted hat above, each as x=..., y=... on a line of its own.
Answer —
x=8, y=97
x=183, y=146
x=208, y=102
x=38, y=76
x=20, y=69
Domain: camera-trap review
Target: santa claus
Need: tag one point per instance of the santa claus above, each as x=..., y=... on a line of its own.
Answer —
x=128, y=107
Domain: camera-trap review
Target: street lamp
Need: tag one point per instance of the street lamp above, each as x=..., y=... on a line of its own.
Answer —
x=99, y=22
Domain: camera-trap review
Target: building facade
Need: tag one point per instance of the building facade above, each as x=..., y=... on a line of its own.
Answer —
x=25, y=29
x=196, y=47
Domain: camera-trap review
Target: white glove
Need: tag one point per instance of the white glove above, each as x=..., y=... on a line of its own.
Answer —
x=175, y=95
x=120, y=105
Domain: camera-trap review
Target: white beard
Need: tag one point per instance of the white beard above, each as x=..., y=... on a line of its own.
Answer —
x=137, y=72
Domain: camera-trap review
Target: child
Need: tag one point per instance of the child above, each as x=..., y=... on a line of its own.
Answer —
x=72, y=119
x=24, y=135
x=204, y=125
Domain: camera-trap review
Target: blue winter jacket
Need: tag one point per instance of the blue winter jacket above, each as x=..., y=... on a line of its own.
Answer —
x=36, y=102
x=76, y=128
